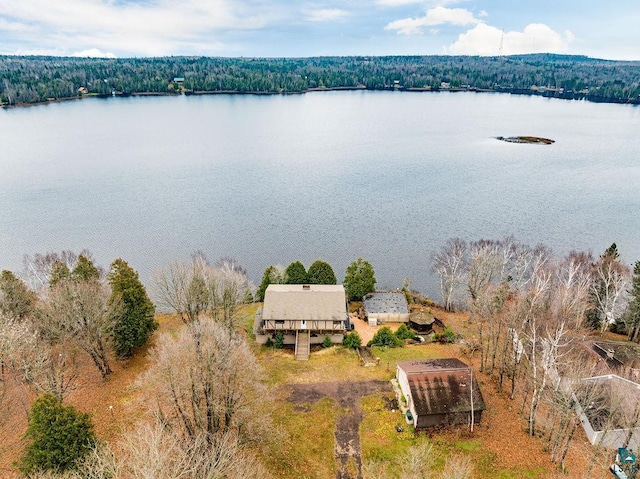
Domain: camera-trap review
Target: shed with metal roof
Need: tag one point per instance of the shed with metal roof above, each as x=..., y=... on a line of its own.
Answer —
x=440, y=392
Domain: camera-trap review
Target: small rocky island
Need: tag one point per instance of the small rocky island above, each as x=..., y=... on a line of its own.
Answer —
x=536, y=140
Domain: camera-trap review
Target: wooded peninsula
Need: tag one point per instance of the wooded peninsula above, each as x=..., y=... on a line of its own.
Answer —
x=36, y=79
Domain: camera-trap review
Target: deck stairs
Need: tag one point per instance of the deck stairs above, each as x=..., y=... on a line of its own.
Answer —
x=303, y=345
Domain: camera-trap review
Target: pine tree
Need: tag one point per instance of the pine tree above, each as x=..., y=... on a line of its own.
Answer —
x=268, y=278
x=295, y=273
x=59, y=436
x=359, y=279
x=85, y=270
x=16, y=299
x=134, y=320
x=59, y=271
x=321, y=272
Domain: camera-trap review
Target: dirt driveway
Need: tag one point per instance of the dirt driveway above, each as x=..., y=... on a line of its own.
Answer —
x=347, y=396
x=367, y=331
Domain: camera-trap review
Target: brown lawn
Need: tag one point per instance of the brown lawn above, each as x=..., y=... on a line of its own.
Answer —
x=116, y=404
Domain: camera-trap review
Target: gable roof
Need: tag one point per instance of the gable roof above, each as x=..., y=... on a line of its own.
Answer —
x=308, y=302
x=440, y=386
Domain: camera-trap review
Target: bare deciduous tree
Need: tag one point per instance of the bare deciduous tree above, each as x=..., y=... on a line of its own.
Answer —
x=608, y=289
x=38, y=267
x=151, y=452
x=79, y=311
x=208, y=381
x=418, y=461
x=194, y=289
x=448, y=264
x=182, y=288
x=457, y=467
x=35, y=362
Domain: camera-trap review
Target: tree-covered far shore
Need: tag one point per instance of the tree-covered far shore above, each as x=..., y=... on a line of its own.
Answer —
x=35, y=79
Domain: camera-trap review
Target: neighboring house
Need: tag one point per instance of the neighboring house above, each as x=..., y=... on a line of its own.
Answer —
x=381, y=308
x=440, y=392
x=304, y=314
x=608, y=411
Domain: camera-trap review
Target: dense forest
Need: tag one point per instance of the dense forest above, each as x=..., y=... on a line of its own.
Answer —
x=29, y=79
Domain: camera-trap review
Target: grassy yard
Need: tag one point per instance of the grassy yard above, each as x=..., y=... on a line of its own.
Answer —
x=309, y=450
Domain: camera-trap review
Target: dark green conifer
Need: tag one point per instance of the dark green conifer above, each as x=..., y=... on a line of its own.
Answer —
x=133, y=311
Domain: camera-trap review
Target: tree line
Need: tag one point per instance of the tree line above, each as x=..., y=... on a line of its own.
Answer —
x=33, y=79
x=533, y=312
x=208, y=405
x=359, y=277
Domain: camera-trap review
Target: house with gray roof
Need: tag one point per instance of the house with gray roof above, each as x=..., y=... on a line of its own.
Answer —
x=386, y=307
x=304, y=313
x=440, y=392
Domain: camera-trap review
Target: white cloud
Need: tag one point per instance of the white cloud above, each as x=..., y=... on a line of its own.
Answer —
x=434, y=16
x=484, y=39
x=325, y=15
x=14, y=27
x=158, y=27
x=396, y=3
x=93, y=53
x=400, y=3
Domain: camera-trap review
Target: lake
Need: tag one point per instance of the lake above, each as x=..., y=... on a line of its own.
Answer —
x=388, y=176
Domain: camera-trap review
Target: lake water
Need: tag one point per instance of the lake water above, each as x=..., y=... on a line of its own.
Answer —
x=387, y=176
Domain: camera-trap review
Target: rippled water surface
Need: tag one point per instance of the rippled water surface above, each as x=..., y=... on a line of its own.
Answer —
x=336, y=175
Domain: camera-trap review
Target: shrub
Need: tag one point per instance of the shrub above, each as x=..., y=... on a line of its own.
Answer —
x=447, y=336
x=352, y=340
x=385, y=337
x=59, y=436
x=279, y=341
x=403, y=332
x=326, y=342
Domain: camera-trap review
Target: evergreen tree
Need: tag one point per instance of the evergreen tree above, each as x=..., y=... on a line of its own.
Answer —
x=16, y=299
x=85, y=270
x=295, y=273
x=359, y=279
x=272, y=275
x=134, y=314
x=611, y=252
x=385, y=337
x=352, y=340
x=59, y=436
x=59, y=271
x=321, y=272
x=403, y=332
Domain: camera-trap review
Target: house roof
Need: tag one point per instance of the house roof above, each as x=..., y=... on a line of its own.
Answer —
x=440, y=386
x=385, y=303
x=309, y=302
x=432, y=365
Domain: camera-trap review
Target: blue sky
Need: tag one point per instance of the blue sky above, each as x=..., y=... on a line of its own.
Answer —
x=276, y=28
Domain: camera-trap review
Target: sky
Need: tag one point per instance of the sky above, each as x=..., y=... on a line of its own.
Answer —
x=288, y=28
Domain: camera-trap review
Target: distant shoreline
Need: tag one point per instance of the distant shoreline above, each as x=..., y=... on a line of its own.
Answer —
x=511, y=91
